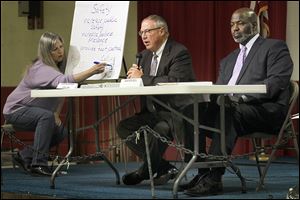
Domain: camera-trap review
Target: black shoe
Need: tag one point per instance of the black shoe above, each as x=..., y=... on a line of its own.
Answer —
x=41, y=171
x=193, y=182
x=170, y=172
x=133, y=178
x=206, y=186
x=293, y=193
x=18, y=160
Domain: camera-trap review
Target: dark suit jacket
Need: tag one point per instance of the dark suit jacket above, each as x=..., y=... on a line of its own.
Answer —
x=268, y=62
x=175, y=66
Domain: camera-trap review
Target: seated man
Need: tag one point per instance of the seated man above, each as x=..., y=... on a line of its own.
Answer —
x=163, y=60
x=257, y=61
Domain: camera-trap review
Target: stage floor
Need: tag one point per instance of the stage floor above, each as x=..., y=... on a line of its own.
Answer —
x=97, y=181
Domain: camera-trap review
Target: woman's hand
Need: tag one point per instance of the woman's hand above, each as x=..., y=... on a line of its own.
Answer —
x=99, y=68
x=95, y=69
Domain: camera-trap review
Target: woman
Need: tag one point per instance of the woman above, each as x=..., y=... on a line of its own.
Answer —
x=42, y=114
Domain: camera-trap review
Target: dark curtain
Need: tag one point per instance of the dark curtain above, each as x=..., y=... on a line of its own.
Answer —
x=204, y=28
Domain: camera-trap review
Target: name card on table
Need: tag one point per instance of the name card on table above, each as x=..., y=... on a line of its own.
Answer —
x=133, y=82
x=67, y=86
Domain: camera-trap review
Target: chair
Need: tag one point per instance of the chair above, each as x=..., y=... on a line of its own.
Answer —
x=286, y=132
x=10, y=130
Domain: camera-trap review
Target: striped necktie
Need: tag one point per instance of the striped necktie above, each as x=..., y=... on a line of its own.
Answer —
x=153, y=65
x=150, y=105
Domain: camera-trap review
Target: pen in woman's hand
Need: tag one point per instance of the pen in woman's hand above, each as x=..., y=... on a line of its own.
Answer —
x=96, y=62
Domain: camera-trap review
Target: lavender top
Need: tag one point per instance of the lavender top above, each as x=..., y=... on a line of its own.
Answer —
x=39, y=76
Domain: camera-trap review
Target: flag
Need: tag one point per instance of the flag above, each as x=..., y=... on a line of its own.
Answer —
x=261, y=9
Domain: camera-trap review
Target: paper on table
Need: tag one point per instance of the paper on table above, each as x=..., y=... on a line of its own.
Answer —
x=187, y=83
x=67, y=86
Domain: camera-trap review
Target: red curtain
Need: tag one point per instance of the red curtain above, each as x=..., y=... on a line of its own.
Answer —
x=204, y=28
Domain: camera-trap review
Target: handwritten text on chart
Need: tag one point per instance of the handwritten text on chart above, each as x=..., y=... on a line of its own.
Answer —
x=101, y=9
x=110, y=19
x=97, y=37
x=106, y=49
x=98, y=34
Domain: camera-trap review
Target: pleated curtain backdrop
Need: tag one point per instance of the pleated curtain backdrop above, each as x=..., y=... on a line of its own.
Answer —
x=204, y=28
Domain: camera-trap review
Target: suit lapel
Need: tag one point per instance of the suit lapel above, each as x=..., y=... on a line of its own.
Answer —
x=164, y=58
x=253, y=51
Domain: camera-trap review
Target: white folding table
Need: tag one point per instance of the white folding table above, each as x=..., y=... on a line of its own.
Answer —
x=168, y=89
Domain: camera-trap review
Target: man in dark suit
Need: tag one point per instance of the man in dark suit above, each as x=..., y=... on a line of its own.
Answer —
x=163, y=60
x=262, y=61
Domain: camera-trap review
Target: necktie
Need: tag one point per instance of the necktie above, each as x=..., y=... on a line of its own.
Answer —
x=153, y=65
x=150, y=105
x=238, y=66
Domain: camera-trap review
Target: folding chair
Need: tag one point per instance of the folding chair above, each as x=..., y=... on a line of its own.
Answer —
x=10, y=129
x=286, y=132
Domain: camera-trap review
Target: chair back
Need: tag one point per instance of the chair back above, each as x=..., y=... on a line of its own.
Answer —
x=286, y=128
x=294, y=94
x=294, y=91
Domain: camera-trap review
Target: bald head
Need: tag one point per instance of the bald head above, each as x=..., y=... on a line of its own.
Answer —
x=247, y=14
x=243, y=25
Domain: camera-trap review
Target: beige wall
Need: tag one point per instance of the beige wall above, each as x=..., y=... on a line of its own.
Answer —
x=18, y=45
x=292, y=35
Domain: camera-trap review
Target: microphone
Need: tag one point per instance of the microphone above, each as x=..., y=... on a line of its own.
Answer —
x=138, y=59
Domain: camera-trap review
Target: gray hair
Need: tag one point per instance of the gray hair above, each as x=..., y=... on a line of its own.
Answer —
x=46, y=45
x=160, y=22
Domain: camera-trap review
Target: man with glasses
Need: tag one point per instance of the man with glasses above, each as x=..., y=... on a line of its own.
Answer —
x=163, y=60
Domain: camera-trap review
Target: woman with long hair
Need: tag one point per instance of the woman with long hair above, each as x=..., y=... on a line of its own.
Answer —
x=42, y=114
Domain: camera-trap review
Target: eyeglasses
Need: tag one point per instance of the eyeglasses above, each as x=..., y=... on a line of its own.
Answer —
x=147, y=31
